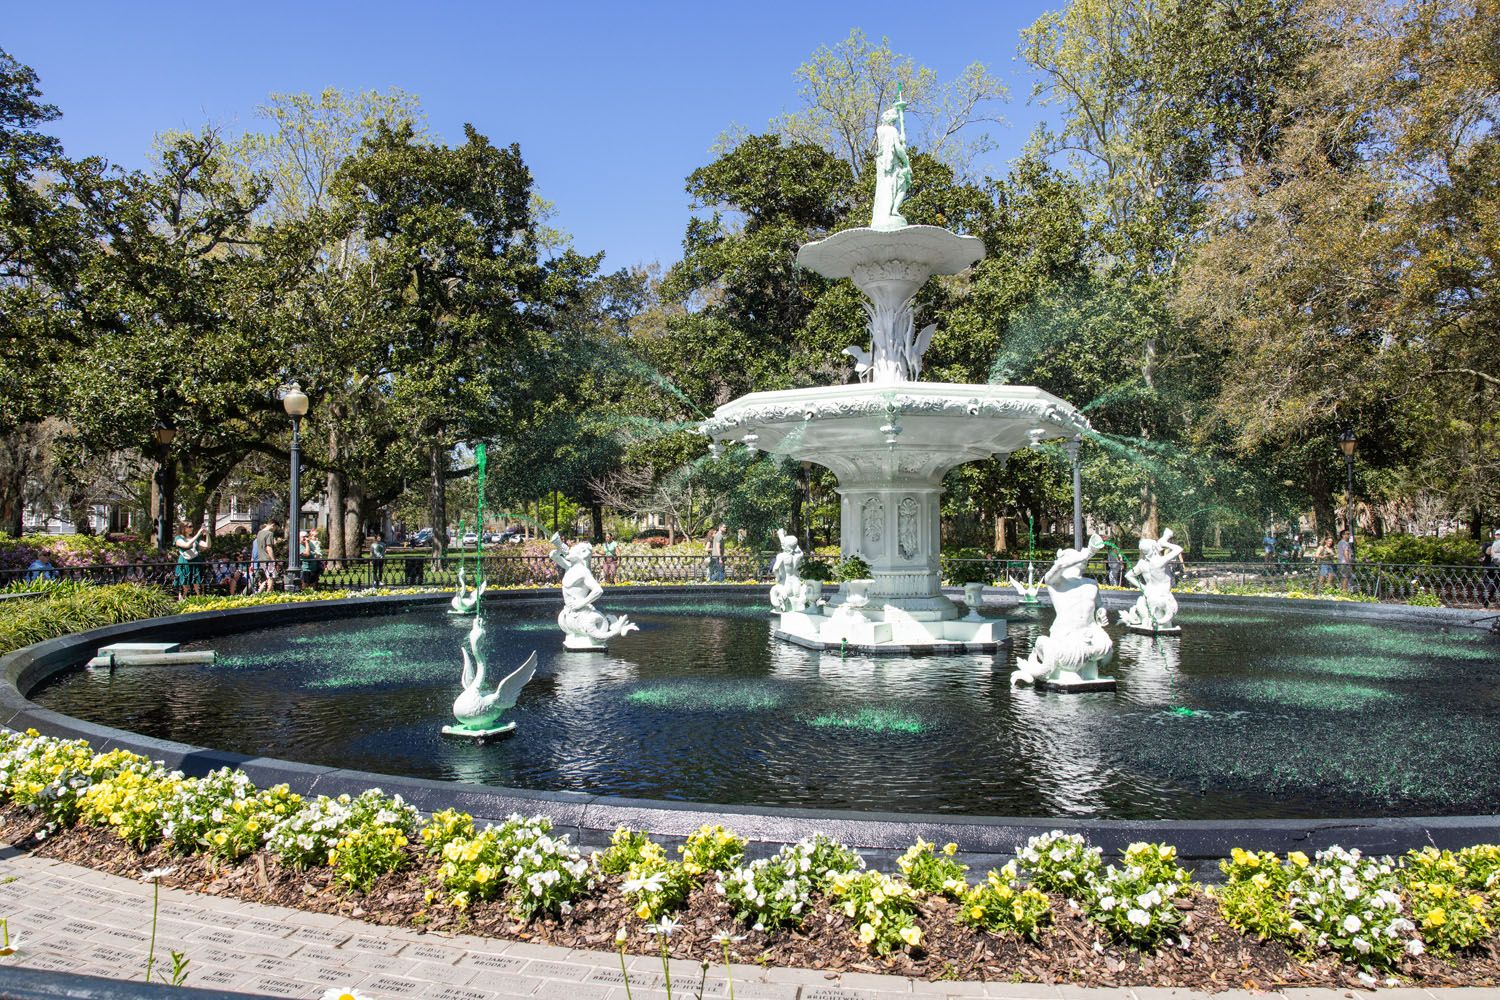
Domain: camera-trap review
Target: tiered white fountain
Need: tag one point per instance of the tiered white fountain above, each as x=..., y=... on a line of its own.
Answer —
x=890, y=439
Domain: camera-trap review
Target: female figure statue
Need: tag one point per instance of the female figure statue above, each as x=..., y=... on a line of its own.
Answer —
x=1154, y=609
x=1076, y=644
x=892, y=168
x=583, y=627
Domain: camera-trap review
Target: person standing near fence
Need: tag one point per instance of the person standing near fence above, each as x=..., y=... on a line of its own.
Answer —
x=1324, y=555
x=263, y=558
x=377, y=559
x=1345, y=553
x=716, y=553
x=1489, y=558
x=611, y=561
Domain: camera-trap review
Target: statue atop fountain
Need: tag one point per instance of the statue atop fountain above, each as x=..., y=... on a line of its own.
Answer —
x=892, y=167
x=584, y=628
x=790, y=592
x=1068, y=657
x=477, y=711
x=1154, y=609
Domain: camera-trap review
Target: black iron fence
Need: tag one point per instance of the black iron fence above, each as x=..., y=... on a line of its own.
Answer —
x=1449, y=586
x=1452, y=586
x=411, y=570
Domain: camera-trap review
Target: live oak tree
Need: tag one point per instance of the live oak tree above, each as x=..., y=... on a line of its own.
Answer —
x=468, y=296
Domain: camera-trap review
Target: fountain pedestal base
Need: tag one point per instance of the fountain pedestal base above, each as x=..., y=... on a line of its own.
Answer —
x=1076, y=684
x=889, y=630
x=479, y=734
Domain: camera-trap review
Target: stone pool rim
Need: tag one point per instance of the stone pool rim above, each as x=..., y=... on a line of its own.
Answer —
x=591, y=818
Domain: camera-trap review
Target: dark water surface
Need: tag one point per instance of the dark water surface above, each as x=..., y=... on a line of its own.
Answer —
x=1254, y=713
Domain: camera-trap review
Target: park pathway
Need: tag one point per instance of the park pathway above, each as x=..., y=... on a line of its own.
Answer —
x=73, y=919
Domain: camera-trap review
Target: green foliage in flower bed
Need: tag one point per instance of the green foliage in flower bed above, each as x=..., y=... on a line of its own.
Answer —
x=71, y=607
x=1374, y=913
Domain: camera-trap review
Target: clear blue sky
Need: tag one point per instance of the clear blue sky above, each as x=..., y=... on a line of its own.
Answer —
x=613, y=103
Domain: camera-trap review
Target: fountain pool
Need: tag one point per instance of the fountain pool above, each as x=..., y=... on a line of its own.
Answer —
x=1252, y=713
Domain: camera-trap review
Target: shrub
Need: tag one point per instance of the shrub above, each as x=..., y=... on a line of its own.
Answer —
x=817, y=569
x=548, y=874
x=224, y=814
x=935, y=873
x=712, y=849
x=999, y=907
x=852, y=568
x=657, y=884
x=1255, y=897
x=1351, y=906
x=310, y=835
x=962, y=566
x=1449, y=550
x=1137, y=901
x=442, y=828
x=48, y=777
x=822, y=859
x=1482, y=863
x=367, y=852
x=769, y=892
x=626, y=848
x=1056, y=862
x=76, y=608
x=133, y=802
x=882, y=910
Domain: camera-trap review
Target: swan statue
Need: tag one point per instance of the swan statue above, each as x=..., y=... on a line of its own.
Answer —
x=1027, y=591
x=477, y=710
x=466, y=600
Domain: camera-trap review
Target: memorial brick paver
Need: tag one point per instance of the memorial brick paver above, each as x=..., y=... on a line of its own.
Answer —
x=73, y=919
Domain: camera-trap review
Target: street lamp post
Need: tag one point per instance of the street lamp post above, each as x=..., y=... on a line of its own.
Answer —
x=294, y=400
x=1347, y=445
x=1073, y=446
x=163, y=435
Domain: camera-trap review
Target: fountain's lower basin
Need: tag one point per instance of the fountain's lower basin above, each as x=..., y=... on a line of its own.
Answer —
x=1255, y=712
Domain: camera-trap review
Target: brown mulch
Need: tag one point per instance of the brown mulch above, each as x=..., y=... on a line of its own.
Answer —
x=1072, y=950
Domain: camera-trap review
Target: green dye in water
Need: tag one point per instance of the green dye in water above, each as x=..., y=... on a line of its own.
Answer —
x=701, y=698
x=871, y=720
x=1319, y=695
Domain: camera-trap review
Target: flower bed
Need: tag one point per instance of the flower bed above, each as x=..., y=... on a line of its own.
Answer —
x=1060, y=912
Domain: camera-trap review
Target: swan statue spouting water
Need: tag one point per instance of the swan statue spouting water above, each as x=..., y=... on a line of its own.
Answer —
x=466, y=600
x=477, y=710
x=1027, y=591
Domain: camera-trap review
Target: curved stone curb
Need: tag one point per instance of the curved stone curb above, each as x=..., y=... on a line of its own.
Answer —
x=590, y=818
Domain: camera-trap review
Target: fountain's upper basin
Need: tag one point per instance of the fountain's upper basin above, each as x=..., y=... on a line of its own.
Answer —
x=931, y=426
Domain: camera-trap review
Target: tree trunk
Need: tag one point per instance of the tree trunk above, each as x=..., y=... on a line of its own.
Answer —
x=596, y=516
x=1325, y=521
x=211, y=516
x=80, y=511
x=10, y=506
x=168, y=501
x=353, y=521
x=334, y=508
x=1198, y=534
x=1002, y=544
x=437, y=498
x=796, y=527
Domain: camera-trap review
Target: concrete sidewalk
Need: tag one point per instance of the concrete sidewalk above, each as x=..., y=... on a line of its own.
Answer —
x=73, y=919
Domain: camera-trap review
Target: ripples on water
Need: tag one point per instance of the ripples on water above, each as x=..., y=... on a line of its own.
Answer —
x=1260, y=714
